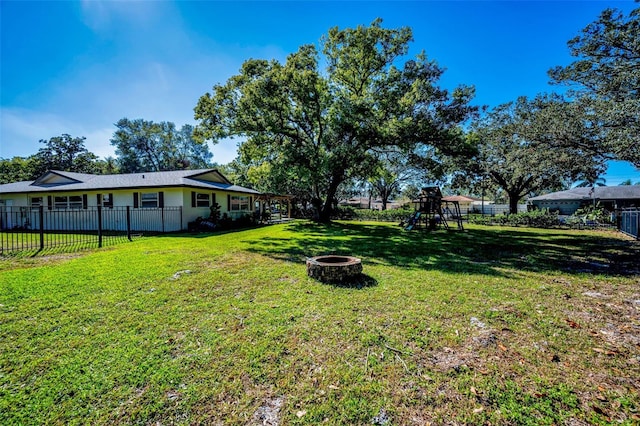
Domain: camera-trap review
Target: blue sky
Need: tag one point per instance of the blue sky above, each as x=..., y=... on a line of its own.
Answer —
x=78, y=67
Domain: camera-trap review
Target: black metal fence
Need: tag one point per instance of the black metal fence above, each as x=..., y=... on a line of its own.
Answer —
x=630, y=222
x=38, y=228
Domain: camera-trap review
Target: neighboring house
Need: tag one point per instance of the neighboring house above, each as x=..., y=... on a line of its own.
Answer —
x=610, y=197
x=189, y=192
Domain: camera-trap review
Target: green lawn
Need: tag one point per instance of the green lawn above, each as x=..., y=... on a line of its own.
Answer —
x=24, y=244
x=487, y=326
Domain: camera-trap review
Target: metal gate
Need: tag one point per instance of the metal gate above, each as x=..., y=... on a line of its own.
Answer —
x=630, y=221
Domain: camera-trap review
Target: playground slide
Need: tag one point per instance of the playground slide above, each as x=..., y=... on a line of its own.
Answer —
x=412, y=221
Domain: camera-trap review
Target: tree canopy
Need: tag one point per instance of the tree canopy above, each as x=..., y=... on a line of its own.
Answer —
x=18, y=169
x=605, y=82
x=145, y=146
x=65, y=153
x=516, y=154
x=322, y=128
x=141, y=146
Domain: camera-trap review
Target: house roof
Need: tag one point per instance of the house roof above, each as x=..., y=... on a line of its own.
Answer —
x=57, y=181
x=622, y=192
x=460, y=198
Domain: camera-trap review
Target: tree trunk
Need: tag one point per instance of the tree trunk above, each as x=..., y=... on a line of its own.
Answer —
x=324, y=214
x=513, y=202
x=384, y=202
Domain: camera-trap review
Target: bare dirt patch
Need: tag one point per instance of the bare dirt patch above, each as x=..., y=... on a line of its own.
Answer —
x=268, y=414
x=610, y=317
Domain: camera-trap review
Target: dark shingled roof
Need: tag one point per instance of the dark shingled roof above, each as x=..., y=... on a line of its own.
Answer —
x=622, y=192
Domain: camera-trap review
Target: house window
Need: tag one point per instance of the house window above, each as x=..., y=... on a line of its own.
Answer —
x=239, y=203
x=149, y=200
x=75, y=202
x=36, y=202
x=105, y=200
x=60, y=202
x=202, y=200
x=67, y=202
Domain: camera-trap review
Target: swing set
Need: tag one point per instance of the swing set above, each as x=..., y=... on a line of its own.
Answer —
x=431, y=211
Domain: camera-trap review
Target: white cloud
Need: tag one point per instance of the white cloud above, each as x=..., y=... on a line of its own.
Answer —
x=95, y=14
x=154, y=78
x=15, y=122
x=99, y=142
x=101, y=15
x=22, y=130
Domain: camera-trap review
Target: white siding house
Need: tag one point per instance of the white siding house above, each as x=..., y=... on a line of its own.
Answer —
x=609, y=197
x=187, y=194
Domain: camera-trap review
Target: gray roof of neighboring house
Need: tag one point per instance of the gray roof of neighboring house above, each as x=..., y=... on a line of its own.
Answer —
x=622, y=192
x=88, y=182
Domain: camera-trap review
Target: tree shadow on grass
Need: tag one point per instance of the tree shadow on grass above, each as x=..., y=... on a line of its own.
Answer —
x=488, y=251
x=360, y=281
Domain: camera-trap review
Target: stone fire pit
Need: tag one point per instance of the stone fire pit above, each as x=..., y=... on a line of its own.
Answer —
x=334, y=268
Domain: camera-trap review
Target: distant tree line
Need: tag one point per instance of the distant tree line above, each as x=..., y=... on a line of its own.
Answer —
x=141, y=146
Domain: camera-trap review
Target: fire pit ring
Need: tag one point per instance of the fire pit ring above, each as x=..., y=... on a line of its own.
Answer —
x=333, y=268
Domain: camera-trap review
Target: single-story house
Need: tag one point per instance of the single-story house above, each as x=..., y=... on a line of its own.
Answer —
x=610, y=197
x=189, y=194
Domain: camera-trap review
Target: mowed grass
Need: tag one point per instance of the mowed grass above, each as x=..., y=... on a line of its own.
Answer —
x=25, y=244
x=487, y=326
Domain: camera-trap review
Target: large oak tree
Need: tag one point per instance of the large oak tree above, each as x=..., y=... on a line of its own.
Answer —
x=605, y=82
x=517, y=152
x=322, y=127
x=66, y=153
x=147, y=146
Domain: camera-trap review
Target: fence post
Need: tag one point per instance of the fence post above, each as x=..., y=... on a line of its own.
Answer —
x=162, y=214
x=41, y=220
x=99, y=226
x=129, y=222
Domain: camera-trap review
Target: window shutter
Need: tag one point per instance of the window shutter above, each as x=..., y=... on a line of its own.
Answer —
x=85, y=202
x=213, y=198
x=229, y=202
x=161, y=199
x=193, y=198
x=111, y=199
x=49, y=203
x=135, y=200
x=251, y=206
x=99, y=199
